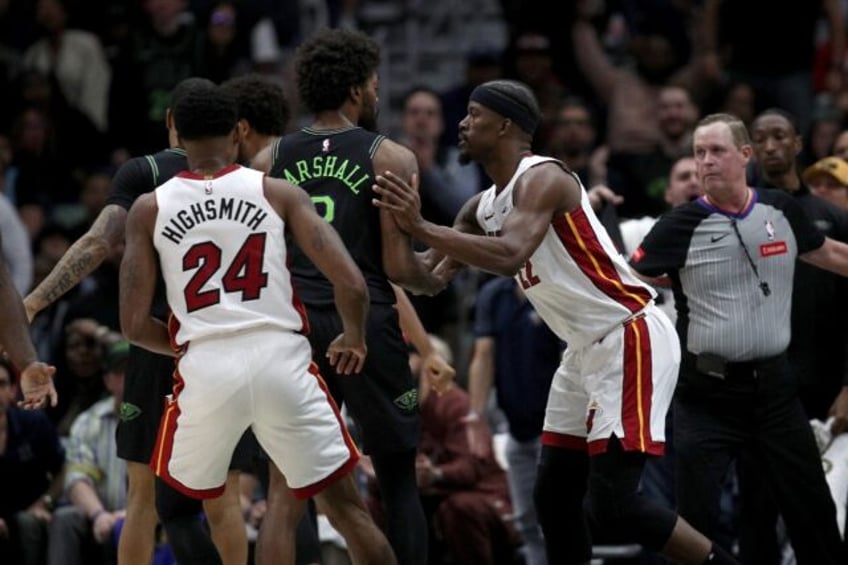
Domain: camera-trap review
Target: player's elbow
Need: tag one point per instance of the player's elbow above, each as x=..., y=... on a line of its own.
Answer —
x=132, y=326
x=507, y=266
x=354, y=288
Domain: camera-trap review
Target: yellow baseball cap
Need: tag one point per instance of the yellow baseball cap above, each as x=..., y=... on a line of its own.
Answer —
x=834, y=167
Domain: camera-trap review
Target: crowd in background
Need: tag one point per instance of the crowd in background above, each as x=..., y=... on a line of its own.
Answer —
x=84, y=85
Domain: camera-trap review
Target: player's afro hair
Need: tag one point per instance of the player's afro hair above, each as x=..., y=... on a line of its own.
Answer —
x=331, y=63
x=261, y=102
x=205, y=112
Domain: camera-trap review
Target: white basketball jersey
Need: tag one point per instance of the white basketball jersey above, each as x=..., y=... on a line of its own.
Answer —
x=576, y=280
x=222, y=252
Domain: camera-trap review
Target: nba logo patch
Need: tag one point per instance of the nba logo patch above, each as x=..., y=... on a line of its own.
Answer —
x=325, y=146
x=769, y=230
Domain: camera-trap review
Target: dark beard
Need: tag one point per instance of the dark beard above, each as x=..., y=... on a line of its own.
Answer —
x=464, y=158
x=368, y=121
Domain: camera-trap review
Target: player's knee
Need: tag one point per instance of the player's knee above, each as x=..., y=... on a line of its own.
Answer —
x=560, y=484
x=615, y=506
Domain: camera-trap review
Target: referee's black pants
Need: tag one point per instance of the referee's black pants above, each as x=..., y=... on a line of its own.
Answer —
x=753, y=410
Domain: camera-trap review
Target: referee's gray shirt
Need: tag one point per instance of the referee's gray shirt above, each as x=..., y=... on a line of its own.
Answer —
x=719, y=289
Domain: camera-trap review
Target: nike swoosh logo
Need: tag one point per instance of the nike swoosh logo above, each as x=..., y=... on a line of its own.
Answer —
x=715, y=238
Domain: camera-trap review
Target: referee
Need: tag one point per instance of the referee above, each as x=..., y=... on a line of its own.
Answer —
x=730, y=256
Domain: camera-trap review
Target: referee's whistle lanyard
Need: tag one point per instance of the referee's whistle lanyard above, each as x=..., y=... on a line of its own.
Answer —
x=733, y=217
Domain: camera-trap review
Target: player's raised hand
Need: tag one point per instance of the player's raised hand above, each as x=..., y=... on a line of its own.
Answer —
x=347, y=354
x=36, y=384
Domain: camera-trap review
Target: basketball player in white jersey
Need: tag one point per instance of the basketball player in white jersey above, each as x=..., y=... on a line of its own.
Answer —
x=608, y=400
x=217, y=231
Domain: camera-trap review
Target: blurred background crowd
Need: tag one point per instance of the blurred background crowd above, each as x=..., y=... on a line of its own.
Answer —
x=84, y=85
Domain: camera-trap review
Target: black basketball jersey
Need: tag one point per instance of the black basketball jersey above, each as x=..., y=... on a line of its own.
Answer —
x=139, y=176
x=335, y=167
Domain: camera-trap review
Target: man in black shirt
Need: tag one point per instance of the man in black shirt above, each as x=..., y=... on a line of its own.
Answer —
x=334, y=161
x=817, y=348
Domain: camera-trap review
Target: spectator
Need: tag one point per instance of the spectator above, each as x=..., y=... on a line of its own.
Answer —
x=816, y=350
x=517, y=354
x=79, y=382
x=840, y=146
x=466, y=497
x=779, y=64
x=534, y=66
x=31, y=461
x=77, y=60
x=828, y=179
x=17, y=249
x=96, y=479
x=572, y=138
x=225, y=53
x=160, y=53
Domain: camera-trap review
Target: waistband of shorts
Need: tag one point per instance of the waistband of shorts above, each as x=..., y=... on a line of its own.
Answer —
x=641, y=314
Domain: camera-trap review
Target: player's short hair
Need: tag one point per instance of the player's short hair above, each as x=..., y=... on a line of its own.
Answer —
x=205, y=112
x=185, y=86
x=331, y=63
x=261, y=102
x=738, y=131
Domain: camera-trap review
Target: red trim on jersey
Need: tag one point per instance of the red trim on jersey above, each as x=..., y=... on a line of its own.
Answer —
x=190, y=492
x=217, y=174
x=581, y=242
x=165, y=444
x=296, y=302
x=637, y=388
x=311, y=490
x=173, y=328
x=598, y=446
x=315, y=488
x=565, y=441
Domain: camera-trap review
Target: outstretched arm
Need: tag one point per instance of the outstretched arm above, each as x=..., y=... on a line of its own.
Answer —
x=831, y=256
x=139, y=269
x=401, y=264
x=85, y=255
x=434, y=367
x=323, y=246
x=36, y=377
x=554, y=191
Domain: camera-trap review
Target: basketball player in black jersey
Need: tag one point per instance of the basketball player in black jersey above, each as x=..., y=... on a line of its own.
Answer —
x=149, y=376
x=334, y=161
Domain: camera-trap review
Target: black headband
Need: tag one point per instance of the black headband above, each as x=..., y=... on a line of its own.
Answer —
x=506, y=106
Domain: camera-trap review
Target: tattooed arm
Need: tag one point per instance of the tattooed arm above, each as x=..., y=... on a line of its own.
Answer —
x=322, y=244
x=85, y=255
